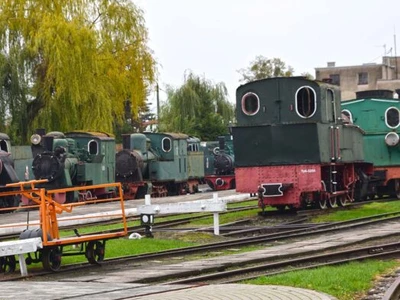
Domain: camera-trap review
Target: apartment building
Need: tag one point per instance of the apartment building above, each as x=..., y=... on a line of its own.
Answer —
x=371, y=76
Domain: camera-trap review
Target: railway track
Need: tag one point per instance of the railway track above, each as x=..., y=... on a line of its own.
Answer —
x=267, y=239
x=243, y=271
x=393, y=293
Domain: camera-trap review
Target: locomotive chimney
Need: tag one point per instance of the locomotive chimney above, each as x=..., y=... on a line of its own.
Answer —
x=48, y=143
x=126, y=141
x=40, y=131
x=221, y=140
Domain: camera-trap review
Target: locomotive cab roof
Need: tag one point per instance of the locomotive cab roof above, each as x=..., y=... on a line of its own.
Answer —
x=4, y=136
x=287, y=100
x=93, y=134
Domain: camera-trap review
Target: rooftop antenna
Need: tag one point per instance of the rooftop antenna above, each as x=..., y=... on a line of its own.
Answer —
x=395, y=54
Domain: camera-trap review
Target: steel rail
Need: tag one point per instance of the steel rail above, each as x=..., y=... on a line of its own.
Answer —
x=393, y=293
x=279, y=267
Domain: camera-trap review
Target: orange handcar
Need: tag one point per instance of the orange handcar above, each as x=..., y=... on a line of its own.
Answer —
x=92, y=245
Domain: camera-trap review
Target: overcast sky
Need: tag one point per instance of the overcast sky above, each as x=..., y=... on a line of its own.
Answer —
x=215, y=38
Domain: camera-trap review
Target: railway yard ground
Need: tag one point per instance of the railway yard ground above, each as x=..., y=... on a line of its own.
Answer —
x=243, y=253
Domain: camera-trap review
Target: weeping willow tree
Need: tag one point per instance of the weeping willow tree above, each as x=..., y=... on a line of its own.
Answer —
x=199, y=108
x=72, y=64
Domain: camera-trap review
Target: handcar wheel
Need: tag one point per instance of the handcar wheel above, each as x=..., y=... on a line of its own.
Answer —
x=342, y=201
x=332, y=202
x=95, y=252
x=8, y=264
x=51, y=259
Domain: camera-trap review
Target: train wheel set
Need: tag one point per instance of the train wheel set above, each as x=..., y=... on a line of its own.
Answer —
x=53, y=246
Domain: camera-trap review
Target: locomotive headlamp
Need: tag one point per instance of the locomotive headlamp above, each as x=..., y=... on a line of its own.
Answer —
x=392, y=139
x=35, y=139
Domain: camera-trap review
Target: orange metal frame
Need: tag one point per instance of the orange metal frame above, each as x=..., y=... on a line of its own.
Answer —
x=49, y=209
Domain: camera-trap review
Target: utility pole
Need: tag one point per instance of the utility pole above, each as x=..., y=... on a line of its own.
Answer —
x=395, y=55
x=158, y=101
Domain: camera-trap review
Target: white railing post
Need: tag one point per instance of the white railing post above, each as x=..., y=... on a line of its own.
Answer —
x=216, y=216
x=147, y=199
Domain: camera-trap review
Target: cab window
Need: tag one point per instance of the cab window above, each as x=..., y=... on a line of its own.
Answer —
x=306, y=102
x=93, y=147
x=250, y=104
x=392, y=119
x=3, y=146
x=348, y=117
x=166, y=144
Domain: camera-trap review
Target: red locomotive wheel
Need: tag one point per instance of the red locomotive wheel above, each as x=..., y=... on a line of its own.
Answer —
x=397, y=188
x=322, y=202
x=332, y=202
x=342, y=200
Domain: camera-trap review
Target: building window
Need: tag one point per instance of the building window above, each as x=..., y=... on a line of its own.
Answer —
x=306, y=102
x=392, y=117
x=363, y=78
x=250, y=104
x=335, y=79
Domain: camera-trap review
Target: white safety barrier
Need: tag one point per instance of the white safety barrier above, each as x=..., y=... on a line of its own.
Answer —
x=214, y=206
x=20, y=247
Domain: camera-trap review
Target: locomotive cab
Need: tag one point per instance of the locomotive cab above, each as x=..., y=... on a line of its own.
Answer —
x=287, y=100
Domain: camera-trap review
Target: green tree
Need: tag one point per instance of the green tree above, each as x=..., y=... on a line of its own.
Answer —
x=263, y=67
x=75, y=63
x=307, y=75
x=199, y=108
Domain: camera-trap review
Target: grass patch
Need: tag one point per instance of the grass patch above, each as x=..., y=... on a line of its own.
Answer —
x=346, y=282
x=227, y=217
x=125, y=247
x=359, y=212
x=242, y=204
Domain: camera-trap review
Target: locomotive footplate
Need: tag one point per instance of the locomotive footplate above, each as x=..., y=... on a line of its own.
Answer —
x=274, y=189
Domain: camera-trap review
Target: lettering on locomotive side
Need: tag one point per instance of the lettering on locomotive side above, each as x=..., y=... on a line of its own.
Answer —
x=308, y=171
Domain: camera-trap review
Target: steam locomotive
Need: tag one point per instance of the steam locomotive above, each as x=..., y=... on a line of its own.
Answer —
x=159, y=164
x=219, y=160
x=377, y=112
x=293, y=148
x=74, y=159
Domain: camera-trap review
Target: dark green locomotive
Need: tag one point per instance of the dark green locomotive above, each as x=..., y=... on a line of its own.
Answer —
x=292, y=147
x=219, y=163
x=159, y=164
x=74, y=159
